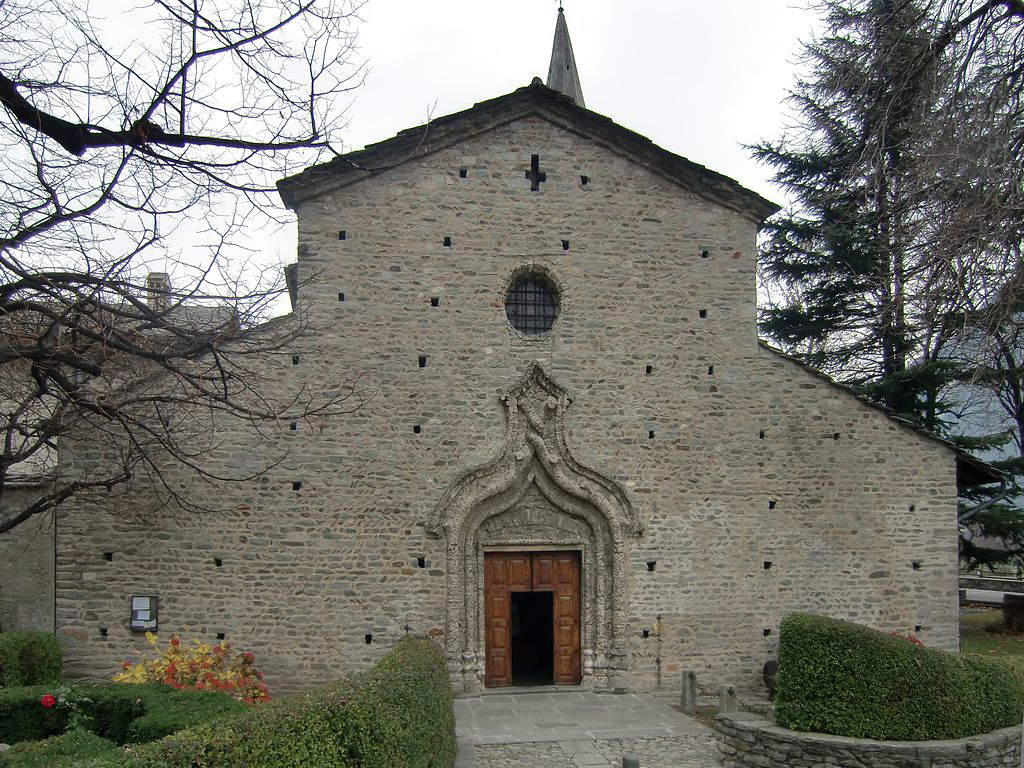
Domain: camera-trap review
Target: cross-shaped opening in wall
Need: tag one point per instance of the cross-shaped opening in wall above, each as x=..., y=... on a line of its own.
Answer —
x=535, y=175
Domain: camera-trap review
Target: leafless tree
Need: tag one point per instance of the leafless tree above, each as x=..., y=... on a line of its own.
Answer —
x=971, y=171
x=147, y=142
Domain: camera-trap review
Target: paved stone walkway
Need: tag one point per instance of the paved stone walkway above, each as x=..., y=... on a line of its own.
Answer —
x=578, y=729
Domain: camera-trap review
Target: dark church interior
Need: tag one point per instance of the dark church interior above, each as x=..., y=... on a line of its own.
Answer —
x=532, y=635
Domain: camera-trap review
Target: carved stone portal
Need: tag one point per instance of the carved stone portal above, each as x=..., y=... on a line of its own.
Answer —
x=536, y=495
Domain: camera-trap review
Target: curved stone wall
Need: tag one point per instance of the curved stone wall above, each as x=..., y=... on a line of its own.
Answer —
x=750, y=741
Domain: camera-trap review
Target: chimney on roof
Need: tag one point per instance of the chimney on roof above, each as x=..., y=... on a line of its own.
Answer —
x=562, y=74
x=291, y=279
x=158, y=288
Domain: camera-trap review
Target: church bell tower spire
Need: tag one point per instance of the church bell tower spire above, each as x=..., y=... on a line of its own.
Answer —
x=562, y=74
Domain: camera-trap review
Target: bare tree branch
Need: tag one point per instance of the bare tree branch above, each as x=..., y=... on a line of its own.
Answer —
x=136, y=171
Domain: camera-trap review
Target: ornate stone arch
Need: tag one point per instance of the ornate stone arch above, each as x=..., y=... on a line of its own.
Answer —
x=490, y=505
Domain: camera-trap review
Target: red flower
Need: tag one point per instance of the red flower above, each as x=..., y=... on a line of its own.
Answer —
x=175, y=640
x=249, y=657
x=48, y=700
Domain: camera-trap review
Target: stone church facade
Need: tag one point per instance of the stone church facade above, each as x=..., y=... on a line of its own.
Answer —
x=556, y=321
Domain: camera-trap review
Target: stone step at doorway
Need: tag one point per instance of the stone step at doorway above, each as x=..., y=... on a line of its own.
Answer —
x=577, y=729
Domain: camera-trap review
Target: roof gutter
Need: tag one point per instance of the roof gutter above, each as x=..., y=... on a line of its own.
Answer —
x=970, y=513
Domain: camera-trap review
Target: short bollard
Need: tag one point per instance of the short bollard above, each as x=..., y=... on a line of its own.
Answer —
x=630, y=761
x=688, y=699
x=727, y=699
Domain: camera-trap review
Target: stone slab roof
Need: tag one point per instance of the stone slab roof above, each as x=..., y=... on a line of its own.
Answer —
x=534, y=99
x=970, y=470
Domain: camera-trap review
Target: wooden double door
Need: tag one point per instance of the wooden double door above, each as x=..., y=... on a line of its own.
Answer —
x=523, y=581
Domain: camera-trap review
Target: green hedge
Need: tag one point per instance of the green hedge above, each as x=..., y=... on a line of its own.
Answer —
x=168, y=711
x=397, y=715
x=845, y=679
x=65, y=749
x=29, y=657
x=22, y=718
x=124, y=714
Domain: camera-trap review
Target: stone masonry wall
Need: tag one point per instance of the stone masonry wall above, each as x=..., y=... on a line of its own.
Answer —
x=26, y=568
x=749, y=741
x=763, y=489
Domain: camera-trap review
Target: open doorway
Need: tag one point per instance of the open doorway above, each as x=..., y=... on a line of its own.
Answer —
x=532, y=618
x=531, y=633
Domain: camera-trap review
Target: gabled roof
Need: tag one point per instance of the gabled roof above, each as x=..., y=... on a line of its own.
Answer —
x=970, y=470
x=534, y=99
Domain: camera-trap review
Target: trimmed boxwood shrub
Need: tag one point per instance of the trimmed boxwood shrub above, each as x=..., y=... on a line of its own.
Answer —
x=121, y=713
x=57, y=750
x=29, y=657
x=397, y=715
x=167, y=711
x=845, y=679
x=22, y=718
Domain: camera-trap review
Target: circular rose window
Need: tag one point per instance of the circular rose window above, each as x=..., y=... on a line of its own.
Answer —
x=532, y=304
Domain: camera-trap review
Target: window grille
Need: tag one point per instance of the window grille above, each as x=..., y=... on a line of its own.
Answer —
x=532, y=304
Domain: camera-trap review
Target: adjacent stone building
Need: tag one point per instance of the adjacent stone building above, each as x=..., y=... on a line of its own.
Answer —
x=26, y=564
x=575, y=463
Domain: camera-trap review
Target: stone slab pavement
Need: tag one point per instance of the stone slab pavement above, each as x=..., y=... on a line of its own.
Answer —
x=578, y=729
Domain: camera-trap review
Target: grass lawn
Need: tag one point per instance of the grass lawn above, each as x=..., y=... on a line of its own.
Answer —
x=974, y=638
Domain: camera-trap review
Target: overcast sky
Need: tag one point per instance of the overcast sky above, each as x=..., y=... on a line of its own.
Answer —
x=698, y=78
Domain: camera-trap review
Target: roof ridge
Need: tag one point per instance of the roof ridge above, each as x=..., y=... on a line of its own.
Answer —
x=535, y=98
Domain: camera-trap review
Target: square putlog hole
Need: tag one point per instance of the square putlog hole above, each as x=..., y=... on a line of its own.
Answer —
x=435, y=301
x=463, y=173
x=342, y=234
x=422, y=360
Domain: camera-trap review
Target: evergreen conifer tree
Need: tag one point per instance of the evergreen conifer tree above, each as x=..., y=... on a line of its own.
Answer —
x=852, y=285
x=846, y=252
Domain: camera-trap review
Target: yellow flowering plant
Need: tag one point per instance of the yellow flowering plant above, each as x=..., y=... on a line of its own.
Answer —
x=200, y=667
